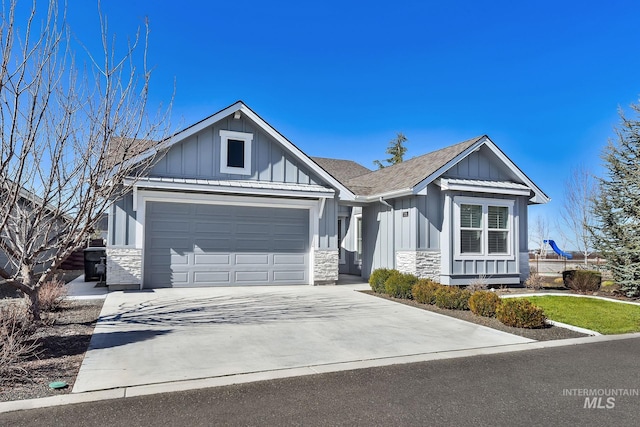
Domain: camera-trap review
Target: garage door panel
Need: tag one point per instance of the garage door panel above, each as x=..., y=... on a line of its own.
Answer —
x=170, y=243
x=212, y=225
x=221, y=245
x=253, y=244
x=289, y=276
x=160, y=278
x=212, y=259
x=169, y=224
x=213, y=277
x=243, y=277
x=252, y=259
x=289, y=259
x=169, y=208
x=284, y=245
x=209, y=245
x=256, y=228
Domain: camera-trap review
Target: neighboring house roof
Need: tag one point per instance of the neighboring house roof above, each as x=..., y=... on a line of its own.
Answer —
x=121, y=149
x=342, y=170
x=408, y=174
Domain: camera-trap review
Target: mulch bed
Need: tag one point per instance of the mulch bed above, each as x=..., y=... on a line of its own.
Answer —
x=64, y=339
x=545, y=334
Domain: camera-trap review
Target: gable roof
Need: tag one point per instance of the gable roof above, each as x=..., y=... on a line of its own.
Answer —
x=413, y=176
x=242, y=108
x=408, y=174
x=342, y=170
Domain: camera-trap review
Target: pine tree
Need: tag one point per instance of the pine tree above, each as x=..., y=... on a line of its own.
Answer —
x=616, y=234
x=396, y=149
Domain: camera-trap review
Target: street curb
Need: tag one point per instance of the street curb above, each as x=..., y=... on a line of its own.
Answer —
x=573, y=328
x=559, y=294
x=142, y=390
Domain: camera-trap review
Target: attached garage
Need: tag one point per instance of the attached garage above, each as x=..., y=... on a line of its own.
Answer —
x=193, y=244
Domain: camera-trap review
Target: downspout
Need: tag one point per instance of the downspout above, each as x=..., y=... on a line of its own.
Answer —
x=321, y=210
x=384, y=202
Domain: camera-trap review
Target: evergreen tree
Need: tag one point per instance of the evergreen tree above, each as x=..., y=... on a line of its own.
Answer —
x=616, y=233
x=396, y=149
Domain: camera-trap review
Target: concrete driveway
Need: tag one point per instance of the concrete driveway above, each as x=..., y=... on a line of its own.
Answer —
x=168, y=335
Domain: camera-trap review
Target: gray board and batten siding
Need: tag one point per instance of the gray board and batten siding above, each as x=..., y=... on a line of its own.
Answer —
x=198, y=156
x=416, y=222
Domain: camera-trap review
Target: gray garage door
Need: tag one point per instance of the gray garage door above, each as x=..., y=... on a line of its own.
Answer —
x=219, y=245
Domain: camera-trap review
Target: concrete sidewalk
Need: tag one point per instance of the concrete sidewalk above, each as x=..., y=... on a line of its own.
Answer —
x=79, y=289
x=170, y=335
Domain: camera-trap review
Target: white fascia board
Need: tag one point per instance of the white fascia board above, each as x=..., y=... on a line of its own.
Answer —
x=345, y=193
x=185, y=133
x=422, y=185
x=180, y=186
x=539, y=196
x=482, y=189
x=388, y=195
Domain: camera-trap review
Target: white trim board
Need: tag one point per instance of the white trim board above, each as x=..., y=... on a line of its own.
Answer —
x=232, y=187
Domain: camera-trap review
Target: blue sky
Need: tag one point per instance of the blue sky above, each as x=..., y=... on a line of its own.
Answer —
x=543, y=79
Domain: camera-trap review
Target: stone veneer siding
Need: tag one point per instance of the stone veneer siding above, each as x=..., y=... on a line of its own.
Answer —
x=325, y=267
x=124, y=266
x=424, y=264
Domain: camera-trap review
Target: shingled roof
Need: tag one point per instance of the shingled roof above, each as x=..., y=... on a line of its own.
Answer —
x=407, y=174
x=342, y=170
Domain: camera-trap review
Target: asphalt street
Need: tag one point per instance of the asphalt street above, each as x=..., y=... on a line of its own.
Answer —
x=560, y=386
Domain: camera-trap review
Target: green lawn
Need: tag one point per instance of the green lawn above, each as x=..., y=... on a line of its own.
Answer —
x=602, y=316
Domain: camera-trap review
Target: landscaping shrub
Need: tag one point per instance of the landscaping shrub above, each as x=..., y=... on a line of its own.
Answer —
x=484, y=303
x=399, y=285
x=424, y=291
x=51, y=294
x=520, y=313
x=16, y=339
x=480, y=283
x=453, y=298
x=377, y=279
x=582, y=280
x=534, y=281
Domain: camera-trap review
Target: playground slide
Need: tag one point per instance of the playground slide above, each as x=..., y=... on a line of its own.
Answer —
x=557, y=250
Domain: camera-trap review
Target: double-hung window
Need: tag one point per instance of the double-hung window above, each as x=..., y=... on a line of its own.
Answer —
x=484, y=227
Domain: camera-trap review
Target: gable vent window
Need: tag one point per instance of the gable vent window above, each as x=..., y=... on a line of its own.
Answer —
x=235, y=155
x=483, y=227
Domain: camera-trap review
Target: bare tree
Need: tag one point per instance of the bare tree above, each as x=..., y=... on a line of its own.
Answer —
x=70, y=135
x=539, y=233
x=577, y=212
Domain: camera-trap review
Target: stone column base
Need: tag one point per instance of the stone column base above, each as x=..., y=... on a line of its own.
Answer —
x=423, y=264
x=124, y=268
x=325, y=267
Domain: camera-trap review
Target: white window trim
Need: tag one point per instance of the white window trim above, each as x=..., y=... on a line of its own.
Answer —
x=485, y=203
x=342, y=220
x=247, y=138
x=357, y=260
